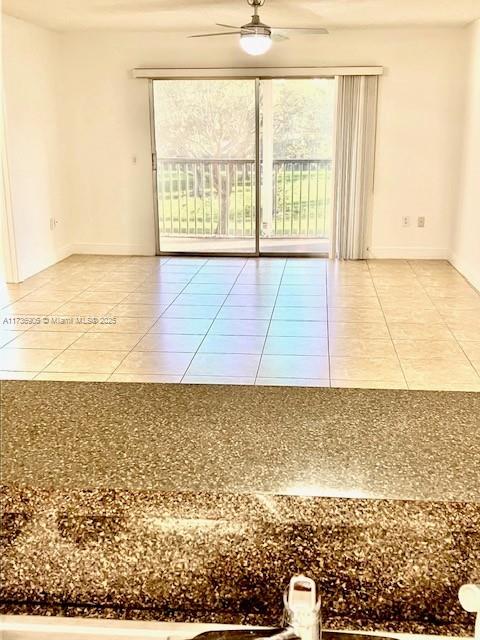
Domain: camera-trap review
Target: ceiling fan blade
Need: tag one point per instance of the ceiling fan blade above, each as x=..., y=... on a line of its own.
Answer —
x=307, y=30
x=209, y=35
x=279, y=37
x=228, y=26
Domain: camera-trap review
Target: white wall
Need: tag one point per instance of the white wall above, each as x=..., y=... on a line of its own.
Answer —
x=32, y=92
x=76, y=118
x=419, y=128
x=466, y=235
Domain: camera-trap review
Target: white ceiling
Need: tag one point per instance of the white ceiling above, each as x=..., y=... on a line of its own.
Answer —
x=201, y=15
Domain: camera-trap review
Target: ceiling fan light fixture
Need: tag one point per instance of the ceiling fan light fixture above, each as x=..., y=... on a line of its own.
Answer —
x=255, y=44
x=256, y=36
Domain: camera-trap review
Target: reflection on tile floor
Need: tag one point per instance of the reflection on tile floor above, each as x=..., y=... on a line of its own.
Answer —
x=297, y=321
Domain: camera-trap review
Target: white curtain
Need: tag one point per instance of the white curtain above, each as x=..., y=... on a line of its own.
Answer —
x=354, y=164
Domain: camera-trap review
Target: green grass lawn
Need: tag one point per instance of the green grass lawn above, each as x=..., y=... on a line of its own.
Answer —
x=301, y=204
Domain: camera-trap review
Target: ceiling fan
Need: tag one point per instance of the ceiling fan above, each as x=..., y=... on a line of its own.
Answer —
x=255, y=36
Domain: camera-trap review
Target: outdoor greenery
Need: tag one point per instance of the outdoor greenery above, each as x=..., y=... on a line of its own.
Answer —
x=205, y=119
x=214, y=120
x=303, y=119
x=189, y=205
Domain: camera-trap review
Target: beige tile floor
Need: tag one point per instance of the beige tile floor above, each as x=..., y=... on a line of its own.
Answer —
x=297, y=321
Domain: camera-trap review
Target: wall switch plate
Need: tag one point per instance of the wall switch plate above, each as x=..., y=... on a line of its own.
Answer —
x=405, y=221
x=421, y=221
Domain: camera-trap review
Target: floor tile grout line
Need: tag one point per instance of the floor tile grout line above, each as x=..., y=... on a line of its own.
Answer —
x=428, y=296
x=161, y=315
x=454, y=337
x=131, y=350
x=46, y=271
x=66, y=315
x=44, y=370
x=109, y=311
x=15, y=334
x=213, y=320
x=182, y=290
x=477, y=291
x=443, y=323
x=328, y=327
x=179, y=293
x=388, y=327
x=33, y=291
x=270, y=323
x=146, y=278
x=470, y=361
x=58, y=355
x=167, y=306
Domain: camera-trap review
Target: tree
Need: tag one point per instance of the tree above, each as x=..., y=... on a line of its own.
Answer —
x=207, y=120
x=215, y=120
x=303, y=119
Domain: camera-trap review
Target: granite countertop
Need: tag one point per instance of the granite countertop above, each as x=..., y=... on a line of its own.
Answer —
x=394, y=444
x=181, y=556
x=167, y=502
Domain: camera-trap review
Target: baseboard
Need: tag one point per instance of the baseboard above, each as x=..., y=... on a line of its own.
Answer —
x=94, y=249
x=409, y=253
x=64, y=252
x=468, y=271
x=59, y=254
x=113, y=249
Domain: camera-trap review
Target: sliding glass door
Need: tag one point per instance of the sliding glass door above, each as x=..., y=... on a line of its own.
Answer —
x=205, y=144
x=297, y=151
x=243, y=166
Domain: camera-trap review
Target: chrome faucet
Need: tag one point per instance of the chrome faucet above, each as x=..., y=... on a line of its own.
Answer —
x=301, y=614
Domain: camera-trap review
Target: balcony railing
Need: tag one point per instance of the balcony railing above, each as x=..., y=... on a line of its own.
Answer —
x=217, y=198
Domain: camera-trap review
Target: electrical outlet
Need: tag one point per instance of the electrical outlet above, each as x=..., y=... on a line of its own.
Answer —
x=406, y=221
x=421, y=221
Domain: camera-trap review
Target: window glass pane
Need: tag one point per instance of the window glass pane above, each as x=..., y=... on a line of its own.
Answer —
x=205, y=144
x=297, y=152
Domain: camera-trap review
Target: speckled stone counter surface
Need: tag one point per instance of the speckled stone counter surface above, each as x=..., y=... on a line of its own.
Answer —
x=226, y=558
x=421, y=445
x=163, y=502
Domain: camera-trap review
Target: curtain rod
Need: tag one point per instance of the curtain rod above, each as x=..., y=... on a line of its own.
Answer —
x=253, y=72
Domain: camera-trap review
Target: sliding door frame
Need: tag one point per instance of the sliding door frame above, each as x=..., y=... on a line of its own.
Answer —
x=258, y=169
x=153, y=147
x=258, y=78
